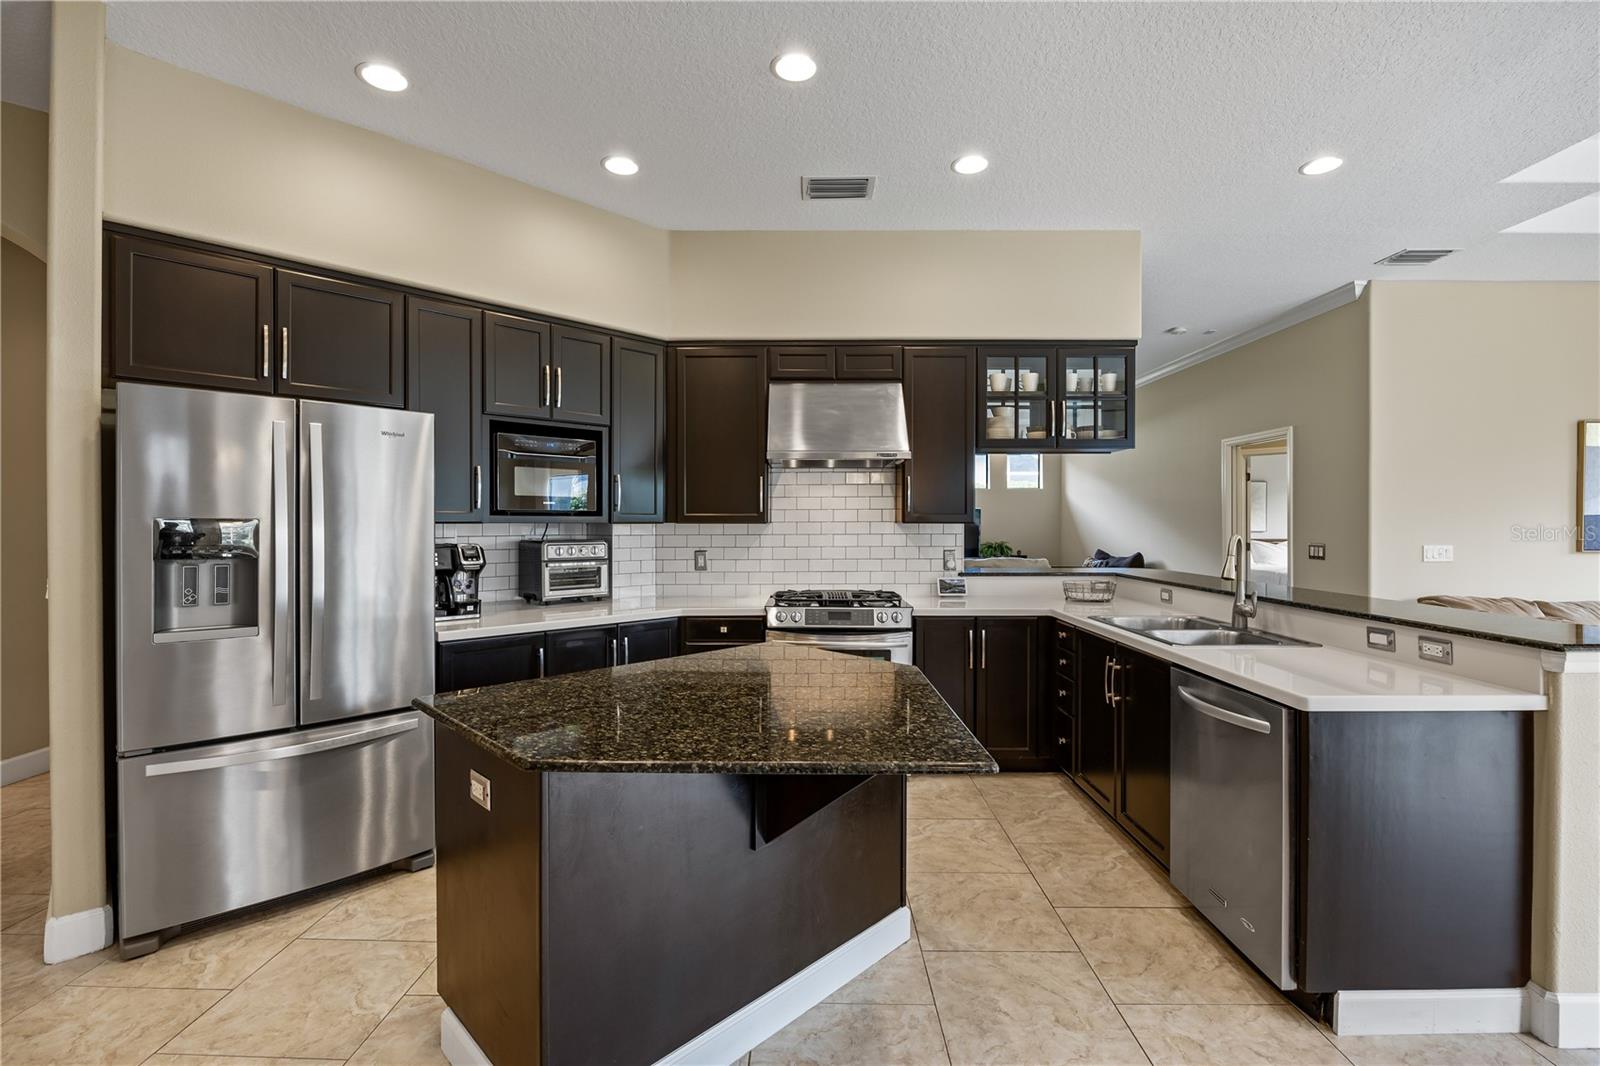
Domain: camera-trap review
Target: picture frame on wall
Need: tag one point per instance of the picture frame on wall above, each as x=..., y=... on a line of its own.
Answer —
x=1257, y=502
x=1588, y=539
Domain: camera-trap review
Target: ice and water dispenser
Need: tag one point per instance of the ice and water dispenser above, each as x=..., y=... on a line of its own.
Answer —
x=206, y=578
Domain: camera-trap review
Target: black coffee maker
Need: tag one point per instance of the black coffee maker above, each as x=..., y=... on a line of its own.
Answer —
x=455, y=580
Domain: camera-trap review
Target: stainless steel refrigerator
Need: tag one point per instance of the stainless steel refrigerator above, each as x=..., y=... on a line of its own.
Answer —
x=273, y=619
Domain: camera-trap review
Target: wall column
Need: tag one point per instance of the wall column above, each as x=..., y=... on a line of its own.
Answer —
x=1565, y=997
x=80, y=918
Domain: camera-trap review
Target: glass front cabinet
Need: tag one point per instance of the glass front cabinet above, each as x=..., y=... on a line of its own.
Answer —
x=1076, y=398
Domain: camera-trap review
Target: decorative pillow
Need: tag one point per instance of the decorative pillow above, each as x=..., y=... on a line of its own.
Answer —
x=1584, y=612
x=1101, y=557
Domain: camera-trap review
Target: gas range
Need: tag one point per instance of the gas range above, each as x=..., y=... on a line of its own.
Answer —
x=825, y=609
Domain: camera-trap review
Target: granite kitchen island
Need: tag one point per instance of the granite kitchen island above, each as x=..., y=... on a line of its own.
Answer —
x=669, y=861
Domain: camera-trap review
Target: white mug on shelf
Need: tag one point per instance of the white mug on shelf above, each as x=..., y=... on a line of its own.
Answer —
x=1028, y=381
x=1108, y=382
x=999, y=381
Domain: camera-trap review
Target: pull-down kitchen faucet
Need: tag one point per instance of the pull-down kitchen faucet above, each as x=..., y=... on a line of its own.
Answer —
x=1244, y=603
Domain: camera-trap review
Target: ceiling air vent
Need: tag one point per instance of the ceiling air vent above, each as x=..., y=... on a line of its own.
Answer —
x=836, y=188
x=1414, y=256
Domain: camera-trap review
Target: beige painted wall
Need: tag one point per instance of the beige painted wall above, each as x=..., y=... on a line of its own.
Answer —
x=193, y=156
x=24, y=144
x=1027, y=519
x=24, y=681
x=1165, y=496
x=72, y=469
x=1566, y=853
x=1477, y=389
x=904, y=284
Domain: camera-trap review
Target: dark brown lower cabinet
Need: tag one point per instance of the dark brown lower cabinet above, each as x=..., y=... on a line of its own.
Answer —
x=987, y=669
x=944, y=651
x=489, y=661
x=1124, y=748
x=715, y=632
x=1097, y=721
x=642, y=642
x=572, y=650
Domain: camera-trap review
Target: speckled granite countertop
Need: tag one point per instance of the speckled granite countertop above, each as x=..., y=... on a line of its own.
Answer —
x=762, y=709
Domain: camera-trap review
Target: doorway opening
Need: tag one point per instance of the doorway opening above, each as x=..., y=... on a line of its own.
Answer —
x=1258, y=502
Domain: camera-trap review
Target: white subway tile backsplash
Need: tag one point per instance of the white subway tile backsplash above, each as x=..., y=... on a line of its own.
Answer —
x=828, y=529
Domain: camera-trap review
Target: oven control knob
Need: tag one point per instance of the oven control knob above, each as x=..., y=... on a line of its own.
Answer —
x=882, y=617
x=895, y=616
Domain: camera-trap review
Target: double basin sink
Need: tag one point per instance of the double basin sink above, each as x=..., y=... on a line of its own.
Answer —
x=1191, y=632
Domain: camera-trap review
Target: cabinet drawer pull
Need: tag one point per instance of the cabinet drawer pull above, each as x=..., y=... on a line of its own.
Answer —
x=983, y=649
x=266, y=350
x=969, y=649
x=616, y=480
x=558, y=386
x=544, y=397
x=283, y=369
x=477, y=486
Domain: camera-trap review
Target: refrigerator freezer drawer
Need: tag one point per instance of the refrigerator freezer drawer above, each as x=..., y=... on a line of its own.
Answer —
x=206, y=830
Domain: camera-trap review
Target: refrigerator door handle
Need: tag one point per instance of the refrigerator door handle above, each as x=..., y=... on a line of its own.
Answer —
x=319, y=562
x=282, y=632
x=288, y=751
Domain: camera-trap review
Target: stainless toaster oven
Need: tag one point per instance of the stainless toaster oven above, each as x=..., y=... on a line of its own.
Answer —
x=551, y=571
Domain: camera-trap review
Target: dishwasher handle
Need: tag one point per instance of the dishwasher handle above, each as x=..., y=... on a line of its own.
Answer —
x=1222, y=714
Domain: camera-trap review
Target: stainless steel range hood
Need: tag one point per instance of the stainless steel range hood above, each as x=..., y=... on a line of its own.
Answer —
x=839, y=425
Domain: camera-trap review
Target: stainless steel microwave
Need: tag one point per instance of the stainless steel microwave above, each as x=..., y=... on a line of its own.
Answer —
x=549, y=472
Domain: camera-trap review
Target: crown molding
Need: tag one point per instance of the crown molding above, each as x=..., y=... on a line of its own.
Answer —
x=1344, y=294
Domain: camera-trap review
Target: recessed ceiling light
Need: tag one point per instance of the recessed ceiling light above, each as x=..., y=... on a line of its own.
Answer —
x=382, y=76
x=970, y=164
x=794, y=66
x=621, y=165
x=1323, y=164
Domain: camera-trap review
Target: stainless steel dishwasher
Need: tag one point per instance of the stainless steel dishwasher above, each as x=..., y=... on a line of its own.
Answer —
x=1232, y=813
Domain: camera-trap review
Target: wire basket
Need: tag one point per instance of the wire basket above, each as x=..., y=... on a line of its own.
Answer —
x=1095, y=590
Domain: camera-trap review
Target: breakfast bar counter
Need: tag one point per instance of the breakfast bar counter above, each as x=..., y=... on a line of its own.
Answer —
x=669, y=861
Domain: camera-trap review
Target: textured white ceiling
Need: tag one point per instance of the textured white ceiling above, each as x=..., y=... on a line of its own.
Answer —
x=1185, y=121
x=25, y=53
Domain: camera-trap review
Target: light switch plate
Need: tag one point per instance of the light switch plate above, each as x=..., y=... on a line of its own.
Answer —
x=1380, y=639
x=478, y=788
x=950, y=560
x=1316, y=551
x=1438, y=553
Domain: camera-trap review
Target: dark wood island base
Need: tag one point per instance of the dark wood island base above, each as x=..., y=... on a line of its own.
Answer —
x=670, y=861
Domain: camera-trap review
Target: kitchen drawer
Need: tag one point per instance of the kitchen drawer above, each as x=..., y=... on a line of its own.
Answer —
x=1061, y=694
x=724, y=630
x=1059, y=742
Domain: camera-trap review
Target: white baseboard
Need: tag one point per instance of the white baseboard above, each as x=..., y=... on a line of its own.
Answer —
x=70, y=935
x=1449, y=1010
x=748, y=1026
x=1564, y=1019
x=457, y=1044
x=21, y=767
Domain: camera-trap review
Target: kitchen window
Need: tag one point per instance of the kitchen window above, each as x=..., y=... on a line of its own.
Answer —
x=1024, y=471
x=980, y=472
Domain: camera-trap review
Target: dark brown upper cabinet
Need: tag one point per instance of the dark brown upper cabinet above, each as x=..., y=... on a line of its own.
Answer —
x=339, y=341
x=638, y=431
x=1066, y=398
x=517, y=377
x=581, y=380
x=717, y=426
x=443, y=353
x=189, y=317
x=801, y=362
x=936, y=482
x=869, y=362
x=822, y=362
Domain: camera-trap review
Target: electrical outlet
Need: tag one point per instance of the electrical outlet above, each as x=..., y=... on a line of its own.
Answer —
x=1166, y=595
x=478, y=789
x=700, y=559
x=1316, y=551
x=950, y=560
x=1435, y=650
x=1438, y=553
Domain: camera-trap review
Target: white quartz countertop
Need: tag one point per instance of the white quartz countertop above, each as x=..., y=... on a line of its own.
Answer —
x=508, y=619
x=1306, y=678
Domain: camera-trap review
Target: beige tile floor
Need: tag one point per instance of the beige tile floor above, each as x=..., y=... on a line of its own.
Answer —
x=1041, y=936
